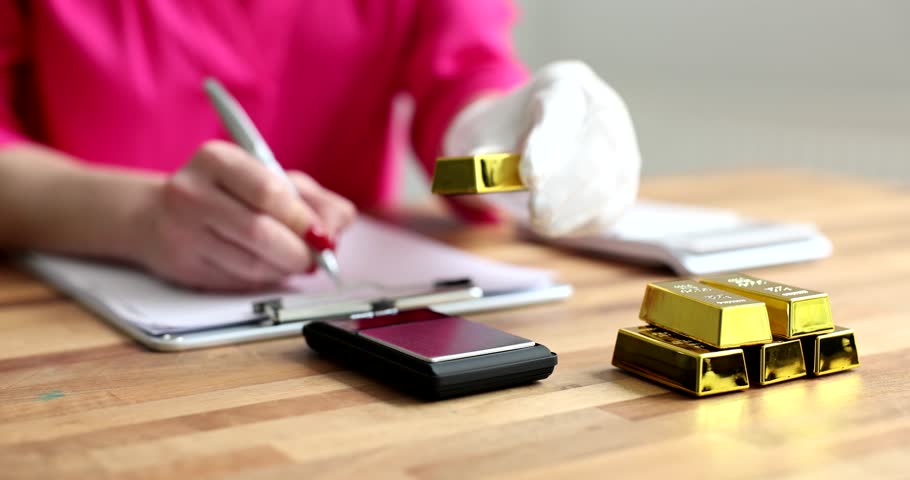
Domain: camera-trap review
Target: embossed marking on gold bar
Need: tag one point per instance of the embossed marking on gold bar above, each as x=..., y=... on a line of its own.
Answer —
x=775, y=362
x=485, y=173
x=715, y=317
x=830, y=352
x=679, y=362
x=793, y=311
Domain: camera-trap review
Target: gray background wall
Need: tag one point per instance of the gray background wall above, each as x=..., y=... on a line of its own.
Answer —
x=713, y=84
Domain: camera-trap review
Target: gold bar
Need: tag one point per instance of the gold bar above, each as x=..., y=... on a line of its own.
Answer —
x=485, y=173
x=793, y=311
x=679, y=362
x=715, y=317
x=830, y=352
x=775, y=362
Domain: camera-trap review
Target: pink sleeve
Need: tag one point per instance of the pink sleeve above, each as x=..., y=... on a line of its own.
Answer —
x=462, y=48
x=12, y=54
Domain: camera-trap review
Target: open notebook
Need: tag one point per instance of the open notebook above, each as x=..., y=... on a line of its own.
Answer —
x=377, y=260
x=688, y=239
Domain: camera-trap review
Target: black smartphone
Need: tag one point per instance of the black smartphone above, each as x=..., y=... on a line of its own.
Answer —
x=430, y=354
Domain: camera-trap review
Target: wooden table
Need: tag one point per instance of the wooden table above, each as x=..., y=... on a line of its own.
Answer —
x=80, y=400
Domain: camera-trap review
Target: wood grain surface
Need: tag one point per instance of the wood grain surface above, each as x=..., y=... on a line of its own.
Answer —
x=80, y=400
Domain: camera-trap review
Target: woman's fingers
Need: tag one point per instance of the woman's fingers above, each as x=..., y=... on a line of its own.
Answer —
x=249, y=205
x=226, y=222
x=238, y=262
x=334, y=212
x=208, y=275
x=257, y=233
x=244, y=178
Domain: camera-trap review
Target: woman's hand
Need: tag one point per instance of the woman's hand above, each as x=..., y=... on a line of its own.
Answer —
x=580, y=157
x=225, y=222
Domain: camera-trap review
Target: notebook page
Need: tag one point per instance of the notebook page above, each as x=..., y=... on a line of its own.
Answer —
x=370, y=253
x=644, y=221
x=689, y=239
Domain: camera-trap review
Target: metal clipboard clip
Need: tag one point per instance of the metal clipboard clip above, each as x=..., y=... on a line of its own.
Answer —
x=362, y=302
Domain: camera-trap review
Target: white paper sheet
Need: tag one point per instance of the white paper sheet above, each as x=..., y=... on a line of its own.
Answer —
x=689, y=239
x=370, y=253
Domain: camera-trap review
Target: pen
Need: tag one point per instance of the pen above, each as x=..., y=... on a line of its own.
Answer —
x=247, y=136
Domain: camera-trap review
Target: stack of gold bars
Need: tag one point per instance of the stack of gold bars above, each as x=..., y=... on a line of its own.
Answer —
x=725, y=333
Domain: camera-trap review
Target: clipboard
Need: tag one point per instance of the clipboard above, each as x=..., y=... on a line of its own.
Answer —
x=424, y=273
x=279, y=317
